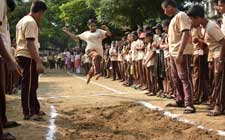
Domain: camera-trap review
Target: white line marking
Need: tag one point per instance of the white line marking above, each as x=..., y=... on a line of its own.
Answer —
x=86, y=96
x=52, y=126
x=177, y=118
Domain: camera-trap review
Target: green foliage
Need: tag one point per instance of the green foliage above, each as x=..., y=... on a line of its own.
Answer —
x=75, y=14
x=118, y=14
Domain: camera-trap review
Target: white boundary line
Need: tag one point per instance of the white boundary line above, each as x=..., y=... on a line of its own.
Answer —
x=52, y=125
x=86, y=96
x=179, y=119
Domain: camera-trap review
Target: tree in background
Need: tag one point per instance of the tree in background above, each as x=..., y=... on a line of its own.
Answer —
x=120, y=15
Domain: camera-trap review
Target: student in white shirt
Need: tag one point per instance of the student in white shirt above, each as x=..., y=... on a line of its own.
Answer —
x=113, y=52
x=94, y=48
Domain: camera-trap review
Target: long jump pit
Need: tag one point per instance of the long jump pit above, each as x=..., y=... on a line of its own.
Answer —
x=128, y=121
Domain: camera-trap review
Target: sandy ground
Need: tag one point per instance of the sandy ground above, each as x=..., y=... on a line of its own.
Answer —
x=105, y=110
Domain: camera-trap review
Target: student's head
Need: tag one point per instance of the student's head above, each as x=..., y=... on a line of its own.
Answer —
x=158, y=29
x=38, y=9
x=129, y=37
x=139, y=31
x=169, y=7
x=165, y=25
x=221, y=6
x=92, y=25
x=196, y=13
x=134, y=36
x=146, y=28
x=149, y=37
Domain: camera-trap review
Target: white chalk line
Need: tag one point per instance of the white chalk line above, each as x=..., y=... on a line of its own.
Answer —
x=52, y=125
x=179, y=119
x=86, y=96
x=157, y=108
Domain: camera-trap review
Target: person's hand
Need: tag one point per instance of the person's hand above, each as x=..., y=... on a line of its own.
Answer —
x=40, y=67
x=144, y=63
x=179, y=59
x=104, y=27
x=14, y=67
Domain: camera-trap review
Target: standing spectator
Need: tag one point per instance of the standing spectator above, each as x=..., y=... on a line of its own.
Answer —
x=27, y=38
x=150, y=64
x=181, y=51
x=78, y=62
x=113, y=52
x=107, y=61
x=68, y=60
x=72, y=60
x=5, y=57
x=200, y=73
x=215, y=39
x=167, y=80
x=159, y=59
x=134, y=55
x=140, y=47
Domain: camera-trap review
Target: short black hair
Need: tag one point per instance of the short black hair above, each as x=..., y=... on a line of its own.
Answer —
x=196, y=11
x=147, y=28
x=38, y=5
x=149, y=34
x=90, y=21
x=166, y=22
x=134, y=33
x=166, y=3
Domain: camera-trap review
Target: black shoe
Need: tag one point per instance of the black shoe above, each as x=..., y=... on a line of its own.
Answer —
x=11, y=124
x=26, y=117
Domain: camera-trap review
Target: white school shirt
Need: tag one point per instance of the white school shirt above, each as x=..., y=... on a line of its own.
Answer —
x=94, y=40
x=134, y=52
x=113, y=54
x=141, y=53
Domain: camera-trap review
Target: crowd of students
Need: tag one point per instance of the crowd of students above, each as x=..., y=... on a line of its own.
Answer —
x=181, y=58
x=74, y=61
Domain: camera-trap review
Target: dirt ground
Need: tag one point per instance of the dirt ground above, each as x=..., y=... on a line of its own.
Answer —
x=105, y=110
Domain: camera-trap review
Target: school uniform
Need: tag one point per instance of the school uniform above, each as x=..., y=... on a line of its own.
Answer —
x=28, y=28
x=114, y=61
x=134, y=56
x=167, y=66
x=213, y=35
x=200, y=69
x=151, y=69
x=5, y=35
x=180, y=72
x=160, y=68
